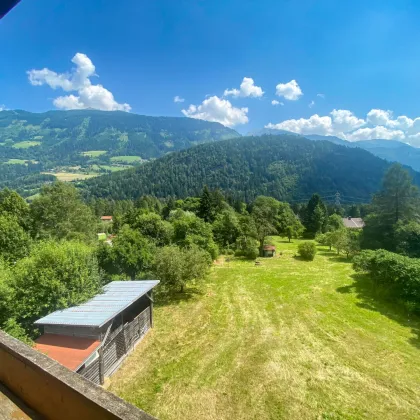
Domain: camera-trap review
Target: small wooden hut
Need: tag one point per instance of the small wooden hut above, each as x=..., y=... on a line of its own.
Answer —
x=93, y=339
x=269, y=251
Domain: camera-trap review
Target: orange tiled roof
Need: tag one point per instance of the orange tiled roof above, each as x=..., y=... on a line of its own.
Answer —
x=69, y=351
x=106, y=217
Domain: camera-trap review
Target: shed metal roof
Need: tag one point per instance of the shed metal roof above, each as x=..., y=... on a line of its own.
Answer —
x=96, y=312
x=353, y=222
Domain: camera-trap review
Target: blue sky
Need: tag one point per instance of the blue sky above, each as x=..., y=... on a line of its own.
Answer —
x=363, y=56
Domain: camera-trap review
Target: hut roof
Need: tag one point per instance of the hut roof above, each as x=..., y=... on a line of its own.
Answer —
x=269, y=248
x=69, y=351
x=353, y=222
x=97, y=311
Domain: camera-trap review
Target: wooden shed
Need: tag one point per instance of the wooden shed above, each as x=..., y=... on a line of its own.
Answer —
x=269, y=251
x=94, y=338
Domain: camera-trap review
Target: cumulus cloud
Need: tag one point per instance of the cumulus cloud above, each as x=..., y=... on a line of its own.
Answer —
x=385, y=118
x=77, y=80
x=275, y=102
x=178, y=99
x=218, y=110
x=378, y=132
x=337, y=123
x=3, y=107
x=290, y=90
x=379, y=124
x=312, y=125
x=311, y=104
x=246, y=89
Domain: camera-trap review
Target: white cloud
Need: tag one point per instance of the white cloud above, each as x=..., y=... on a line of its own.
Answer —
x=337, y=124
x=178, y=99
x=378, y=132
x=78, y=79
x=311, y=104
x=218, y=110
x=313, y=125
x=3, y=107
x=379, y=124
x=290, y=90
x=247, y=89
x=275, y=102
x=321, y=95
x=344, y=121
x=384, y=118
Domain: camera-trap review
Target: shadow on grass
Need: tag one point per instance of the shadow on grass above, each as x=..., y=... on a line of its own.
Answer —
x=335, y=257
x=373, y=299
x=168, y=298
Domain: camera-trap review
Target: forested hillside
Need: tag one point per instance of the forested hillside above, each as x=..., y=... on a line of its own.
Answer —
x=285, y=167
x=90, y=142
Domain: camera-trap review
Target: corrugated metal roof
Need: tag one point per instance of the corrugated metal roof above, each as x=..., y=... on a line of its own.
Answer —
x=96, y=312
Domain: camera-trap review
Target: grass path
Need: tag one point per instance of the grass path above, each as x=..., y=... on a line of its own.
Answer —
x=286, y=340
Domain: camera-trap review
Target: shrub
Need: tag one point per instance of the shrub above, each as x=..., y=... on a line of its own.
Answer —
x=398, y=275
x=307, y=250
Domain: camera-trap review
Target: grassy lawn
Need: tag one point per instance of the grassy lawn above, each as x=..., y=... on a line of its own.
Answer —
x=68, y=177
x=126, y=159
x=94, y=153
x=26, y=144
x=285, y=340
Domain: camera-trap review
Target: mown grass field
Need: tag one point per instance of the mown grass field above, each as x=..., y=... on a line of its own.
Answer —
x=26, y=144
x=126, y=159
x=68, y=176
x=94, y=153
x=285, y=340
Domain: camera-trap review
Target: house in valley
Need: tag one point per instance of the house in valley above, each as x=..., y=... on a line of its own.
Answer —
x=353, y=222
x=106, y=219
x=93, y=339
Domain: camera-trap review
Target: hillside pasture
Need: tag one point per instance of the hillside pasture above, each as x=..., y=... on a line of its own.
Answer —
x=126, y=159
x=26, y=144
x=94, y=153
x=288, y=339
x=68, y=176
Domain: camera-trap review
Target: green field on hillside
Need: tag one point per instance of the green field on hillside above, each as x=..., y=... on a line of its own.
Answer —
x=285, y=340
x=26, y=144
x=126, y=159
x=94, y=153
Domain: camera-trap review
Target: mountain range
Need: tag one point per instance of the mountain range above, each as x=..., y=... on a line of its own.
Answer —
x=74, y=145
x=390, y=150
x=287, y=167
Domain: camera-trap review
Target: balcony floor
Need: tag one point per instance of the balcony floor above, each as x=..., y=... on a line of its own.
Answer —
x=12, y=408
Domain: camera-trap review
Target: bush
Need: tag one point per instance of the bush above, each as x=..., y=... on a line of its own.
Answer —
x=398, y=275
x=307, y=250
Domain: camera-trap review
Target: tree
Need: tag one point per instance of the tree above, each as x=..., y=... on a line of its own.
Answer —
x=325, y=239
x=176, y=267
x=54, y=276
x=190, y=230
x=12, y=204
x=339, y=239
x=354, y=211
x=407, y=236
x=397, y=202
x=131, y=252
x=335, y=222
x=352, y=244
x=154, y=228
x=14, y=241
x=226, y=228
x=59, y=213
x=205, y=211
x=264, y=212
x=315, y=219
x=287, y=223
x=398, y=198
